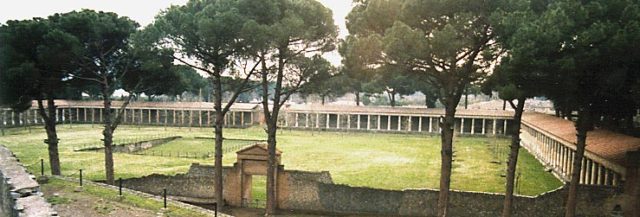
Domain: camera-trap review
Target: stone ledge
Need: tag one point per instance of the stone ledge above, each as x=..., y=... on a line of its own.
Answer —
x=20, y=194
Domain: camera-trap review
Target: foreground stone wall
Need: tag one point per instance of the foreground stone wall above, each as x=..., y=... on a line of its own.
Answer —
x=194, y=186
x=315, y=191
x=326, y=197
x=19, y=194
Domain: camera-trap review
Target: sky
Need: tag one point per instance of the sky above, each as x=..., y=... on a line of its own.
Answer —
x=142, y=11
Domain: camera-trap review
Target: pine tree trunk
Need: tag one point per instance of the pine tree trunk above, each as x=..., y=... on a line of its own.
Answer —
x=272, y=165
x=108, y=137
x=446, y=156
x=357, y=98
x=52, y=135
x=513, y=158
x=218, y=160
x=583, y=125
x=466, y=97
x=392, y=99
x=429, y=102
x=219, y=139
x=322, y=98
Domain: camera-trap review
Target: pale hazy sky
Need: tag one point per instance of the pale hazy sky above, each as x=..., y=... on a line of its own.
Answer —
x=142, y=11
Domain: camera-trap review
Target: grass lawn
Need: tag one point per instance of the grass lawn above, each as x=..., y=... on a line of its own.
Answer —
x=96, y=200
x=196, y=147
x=387, y=161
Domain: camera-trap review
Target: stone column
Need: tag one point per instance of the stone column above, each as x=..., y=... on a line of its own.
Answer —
x=337, y=121
x=600, y=175
x=182, y=118
x=348, y=121
x=296, y=116
x=388, y=122
x=101, y=111
x=562, y=161
x=368, y=122
x=473, y=126
x=166, y=117
x=306, y=120
x=379, y=116
x=286, y=119
x=504, y=131
x=420, y=124
x=241, y=118
x=582, y=173
x=484, y=122
x=317, y=120
x=328, y=118
x=399, y=123
x=461, y=125
x=358, y=125
x=430, y=124
x=208, y=117
x=594, y=173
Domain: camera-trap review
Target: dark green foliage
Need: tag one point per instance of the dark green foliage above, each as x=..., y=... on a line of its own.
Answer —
x=34, y=59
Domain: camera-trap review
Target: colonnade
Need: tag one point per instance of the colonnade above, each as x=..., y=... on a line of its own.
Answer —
x=481, y=125
x=137, y=116
x=558, y=155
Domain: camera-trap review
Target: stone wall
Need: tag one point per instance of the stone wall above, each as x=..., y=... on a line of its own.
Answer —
x=194, y=186
x=334, y=198
x=20, y=194
x=315, y=191
x=136, y=146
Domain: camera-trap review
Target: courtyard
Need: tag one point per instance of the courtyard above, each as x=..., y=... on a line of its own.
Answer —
x=376, y=160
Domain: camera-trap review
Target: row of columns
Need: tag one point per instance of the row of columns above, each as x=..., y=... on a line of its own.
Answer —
x=392, y=123
x=559, y=157
x=28, y=117
x=182, y=117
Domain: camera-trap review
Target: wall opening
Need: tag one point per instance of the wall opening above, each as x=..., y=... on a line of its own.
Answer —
x=258, y=196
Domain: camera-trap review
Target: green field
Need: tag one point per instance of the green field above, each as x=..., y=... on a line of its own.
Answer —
x=196, y=147
x=387, y=161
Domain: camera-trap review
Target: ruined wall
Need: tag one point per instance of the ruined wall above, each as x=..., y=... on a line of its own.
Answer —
x=139, y=146
x=315, y=191
x=136, y=146
x=19, y=194
x=196, y=186
x=307, y=193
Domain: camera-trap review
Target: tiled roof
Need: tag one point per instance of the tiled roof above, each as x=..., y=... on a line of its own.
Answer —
x=606, y=144
x=185, y=105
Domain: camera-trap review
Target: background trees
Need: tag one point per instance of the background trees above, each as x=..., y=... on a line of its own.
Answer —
x=109, y=59
x=208, y=36
x=595, y=55
x=35, y=59
x=289, y=35
x=449, y=43
x=578, y=55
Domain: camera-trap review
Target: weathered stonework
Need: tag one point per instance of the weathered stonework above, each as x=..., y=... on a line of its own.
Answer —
x=136, y=146
x=315, y=191
x=20, y=194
